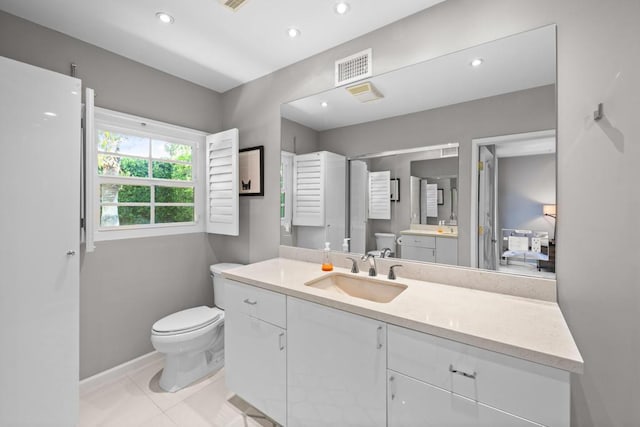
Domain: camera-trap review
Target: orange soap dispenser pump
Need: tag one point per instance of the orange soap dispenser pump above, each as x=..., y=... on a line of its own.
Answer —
x=326, y=258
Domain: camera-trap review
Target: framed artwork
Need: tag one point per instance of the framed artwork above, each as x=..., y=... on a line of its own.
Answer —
x=440, y=196
x=251, y=164
x=395, y=189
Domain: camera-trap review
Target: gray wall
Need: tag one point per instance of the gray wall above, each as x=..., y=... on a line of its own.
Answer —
x=598, y=61
x=297, y=138
x=126, y=285
x=516, y=112
x=524, y=185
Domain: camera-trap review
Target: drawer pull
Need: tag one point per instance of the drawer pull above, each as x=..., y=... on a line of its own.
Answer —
x=379, y=337
x=464, y=374
x=250, y=302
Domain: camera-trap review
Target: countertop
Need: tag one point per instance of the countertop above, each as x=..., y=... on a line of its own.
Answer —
x=429, y=233
x=526, y=328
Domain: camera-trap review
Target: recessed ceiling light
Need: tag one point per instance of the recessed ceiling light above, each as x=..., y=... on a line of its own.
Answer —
x=341, y=7
x=164, y=17
x=50, y=114
x=476, y=62
x=324, y=104
x=293, y=32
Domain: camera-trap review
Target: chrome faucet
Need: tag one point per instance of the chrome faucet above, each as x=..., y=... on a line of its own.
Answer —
x=372, y=264
x=354, y=265
x=384, y=253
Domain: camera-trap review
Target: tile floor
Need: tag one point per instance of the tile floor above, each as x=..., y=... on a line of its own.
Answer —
x=136, y=400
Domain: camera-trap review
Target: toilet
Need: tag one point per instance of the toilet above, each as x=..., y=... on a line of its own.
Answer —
x=384, y=240
x=192, y=340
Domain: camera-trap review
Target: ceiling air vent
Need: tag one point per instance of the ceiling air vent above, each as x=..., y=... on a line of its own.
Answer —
x=449, y=152
x=353, y=68
x=233, y=4
x=365, y=92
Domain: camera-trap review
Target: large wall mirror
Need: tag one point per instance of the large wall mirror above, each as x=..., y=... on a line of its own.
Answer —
x=451, y=160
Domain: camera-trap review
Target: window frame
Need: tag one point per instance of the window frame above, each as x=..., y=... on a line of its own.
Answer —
x=127, y=124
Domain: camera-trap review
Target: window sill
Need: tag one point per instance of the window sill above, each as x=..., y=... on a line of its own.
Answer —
x=149, y=231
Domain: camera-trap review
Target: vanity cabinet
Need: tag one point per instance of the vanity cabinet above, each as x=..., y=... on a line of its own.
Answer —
x=306, y=364
x=443, y=250
x=255, y=347
x=336, y=367
x=470, y=383
x=418, y=248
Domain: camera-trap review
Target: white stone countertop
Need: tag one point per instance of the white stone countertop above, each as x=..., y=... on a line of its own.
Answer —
x=526, y=328
x=429, y=233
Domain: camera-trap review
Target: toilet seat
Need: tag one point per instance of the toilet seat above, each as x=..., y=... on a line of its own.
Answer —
x=188, y=320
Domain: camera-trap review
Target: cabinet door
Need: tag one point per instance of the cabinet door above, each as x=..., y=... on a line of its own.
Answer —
x=39, y=254
x=447, y=250
x=309, y=189
x=336, y=372
x=416, y=253
x=414, y=403
x=255, y=363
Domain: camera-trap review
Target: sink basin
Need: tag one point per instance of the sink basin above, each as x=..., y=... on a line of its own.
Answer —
x=358, y=286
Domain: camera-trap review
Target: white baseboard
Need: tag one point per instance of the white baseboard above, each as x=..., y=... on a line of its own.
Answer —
x=98, y=380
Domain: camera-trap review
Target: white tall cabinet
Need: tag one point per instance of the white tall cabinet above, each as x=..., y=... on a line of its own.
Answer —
x=319, y=191
x=39, y=262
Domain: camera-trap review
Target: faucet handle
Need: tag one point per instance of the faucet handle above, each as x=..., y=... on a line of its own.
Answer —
x=354, y=265
x=392, y=273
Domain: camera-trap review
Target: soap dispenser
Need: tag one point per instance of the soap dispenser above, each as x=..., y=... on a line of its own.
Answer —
x=345, y=245
x=326, y=258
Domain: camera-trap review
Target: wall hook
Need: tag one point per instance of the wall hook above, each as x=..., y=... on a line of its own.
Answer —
x=599, y=113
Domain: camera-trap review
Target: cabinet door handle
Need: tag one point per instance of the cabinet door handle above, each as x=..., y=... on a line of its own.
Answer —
x=281, y=340
x=392, y=387
x=250, y=302
x=379, y=337
x=464, y=374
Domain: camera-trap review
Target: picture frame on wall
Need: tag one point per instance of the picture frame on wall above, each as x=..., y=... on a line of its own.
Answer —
x=251, y=165
x=440, y=196
x=395, y=189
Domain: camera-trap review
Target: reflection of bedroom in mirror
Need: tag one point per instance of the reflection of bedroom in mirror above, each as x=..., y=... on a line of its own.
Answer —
x=515, y=192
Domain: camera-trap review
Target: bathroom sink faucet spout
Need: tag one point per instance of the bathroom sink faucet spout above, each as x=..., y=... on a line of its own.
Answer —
x=372, y=264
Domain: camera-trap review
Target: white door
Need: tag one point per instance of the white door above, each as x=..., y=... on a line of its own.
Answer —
x=487, y=236
x=358, y=192
x=39, y=232
x=255, y=361
x=414, y=403
x=336, y=367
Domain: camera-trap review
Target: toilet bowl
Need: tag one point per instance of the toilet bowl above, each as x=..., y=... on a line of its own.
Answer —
x=192, y=340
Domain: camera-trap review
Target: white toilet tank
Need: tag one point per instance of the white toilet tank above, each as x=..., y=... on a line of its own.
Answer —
x=218, y=281
x=386, y=240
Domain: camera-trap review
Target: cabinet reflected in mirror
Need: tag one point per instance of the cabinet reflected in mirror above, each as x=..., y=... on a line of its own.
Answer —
x=412, y=171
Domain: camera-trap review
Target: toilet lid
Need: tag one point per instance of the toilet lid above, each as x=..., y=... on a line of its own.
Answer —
x=190, y=319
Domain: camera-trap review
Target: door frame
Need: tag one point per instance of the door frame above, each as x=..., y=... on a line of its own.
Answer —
x=475, y=147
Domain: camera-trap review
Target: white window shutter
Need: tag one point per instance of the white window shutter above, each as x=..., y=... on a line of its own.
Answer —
x=380, y=195
x=222, y=183
x=90, y=192
x=308, y=189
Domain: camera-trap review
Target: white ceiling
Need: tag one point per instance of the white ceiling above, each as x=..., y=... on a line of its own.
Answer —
x=519, y=62
x=209, y=44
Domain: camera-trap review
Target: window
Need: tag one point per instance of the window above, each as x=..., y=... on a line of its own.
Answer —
x=146, y=177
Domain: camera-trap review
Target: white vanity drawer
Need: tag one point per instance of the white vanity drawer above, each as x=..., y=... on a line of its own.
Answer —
x=413, y=403
x=526, y=389
x=256, y=302
x=418, y=241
